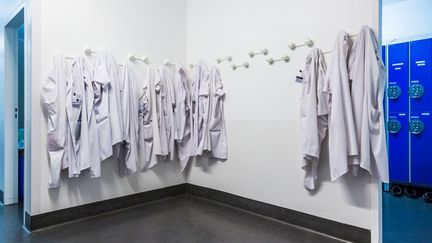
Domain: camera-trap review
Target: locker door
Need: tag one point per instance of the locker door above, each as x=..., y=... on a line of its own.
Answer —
x=398, y=129
x=421, y=148
x=421, y=75
x=398, y=108
x=420, y=92
x=398, y=77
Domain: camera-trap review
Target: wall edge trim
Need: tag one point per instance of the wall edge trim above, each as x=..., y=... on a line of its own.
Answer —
x=39, y=221
x=325, y=226
x=321, y=225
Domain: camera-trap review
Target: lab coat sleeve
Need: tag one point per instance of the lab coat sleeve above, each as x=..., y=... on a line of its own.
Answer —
x=313, y=115
x=129, y=154
x=217, y=127
x=378, y=145
x=101, y=111
x=342, y=135
x=53, y=102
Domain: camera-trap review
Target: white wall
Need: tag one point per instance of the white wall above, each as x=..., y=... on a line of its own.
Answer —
x=262, y=103
x=8, y=8
x=156, y=28
x=261, y=106
x=406, y=19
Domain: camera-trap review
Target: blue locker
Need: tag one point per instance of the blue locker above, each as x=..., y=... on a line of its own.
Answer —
x=398, y=141
x=421, y=146
x=398, y=112
x=421, y=75
x=420, y=92
x=398, y=77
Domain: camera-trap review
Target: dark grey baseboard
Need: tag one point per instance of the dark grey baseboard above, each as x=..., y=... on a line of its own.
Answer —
x=1, y=197
x=325, y=226
x=69, y=214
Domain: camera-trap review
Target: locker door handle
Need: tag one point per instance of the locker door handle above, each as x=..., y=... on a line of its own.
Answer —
x=394, y=91
x=416, y=91
x=416, y=126
x=393, y=126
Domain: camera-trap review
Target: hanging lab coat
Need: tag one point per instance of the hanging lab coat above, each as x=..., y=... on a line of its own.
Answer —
x=368, y=76
x=314, y=108
x=53, y=99
x=105, y=61
x=342, y=136
x=100, y=83
x=128, y=158
x=201, y=107
x=217, y=127
x=159, y=147
x=76, y=125
x=160, y=99
x=89, y=156
x=183, y=116
x=146, y=135
x=168, y=104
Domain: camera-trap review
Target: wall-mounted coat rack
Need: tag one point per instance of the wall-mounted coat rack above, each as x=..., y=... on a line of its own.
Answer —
x=220, y=60
x=143, y=59
x=264, y=52
x=293, y=46
x=284, y=58
x=244, y=65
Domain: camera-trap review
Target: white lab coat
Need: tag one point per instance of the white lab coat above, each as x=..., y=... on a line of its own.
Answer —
x=201, y=107
x=53, y=99
x=128, y=158
x=76, y=107
x=368, y=76
x=314, y=108
x=159, y=146
x=168, y=103
x=160, y=108
x=217, y=127
x=342, y=136
x=146, y=123
x=106, y=61
x=90, y=155
x=101, y=85
x=183, y=116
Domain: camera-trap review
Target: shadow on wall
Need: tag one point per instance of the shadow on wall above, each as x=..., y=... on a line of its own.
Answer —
x=206, y=163
x=163, y=171
x=356, y=188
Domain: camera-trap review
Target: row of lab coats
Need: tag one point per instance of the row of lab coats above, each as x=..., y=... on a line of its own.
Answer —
x=95, y=111
x=345, y=103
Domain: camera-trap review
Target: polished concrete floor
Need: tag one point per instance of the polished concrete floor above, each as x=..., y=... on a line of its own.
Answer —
x=179, y=219
x=406, y=220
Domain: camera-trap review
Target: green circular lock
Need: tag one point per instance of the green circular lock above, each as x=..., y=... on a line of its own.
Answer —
x=393, y=126
x=416, y=91
x=394, y=91
x=416, y=126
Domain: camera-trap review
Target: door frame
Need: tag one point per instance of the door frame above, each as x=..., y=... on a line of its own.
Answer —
x=10, y=105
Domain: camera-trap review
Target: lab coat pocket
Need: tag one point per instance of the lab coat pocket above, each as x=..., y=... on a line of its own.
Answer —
x=148, y=132
x=303, y=103
x=374, y=120
x=52, y=116
x=216, y=119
